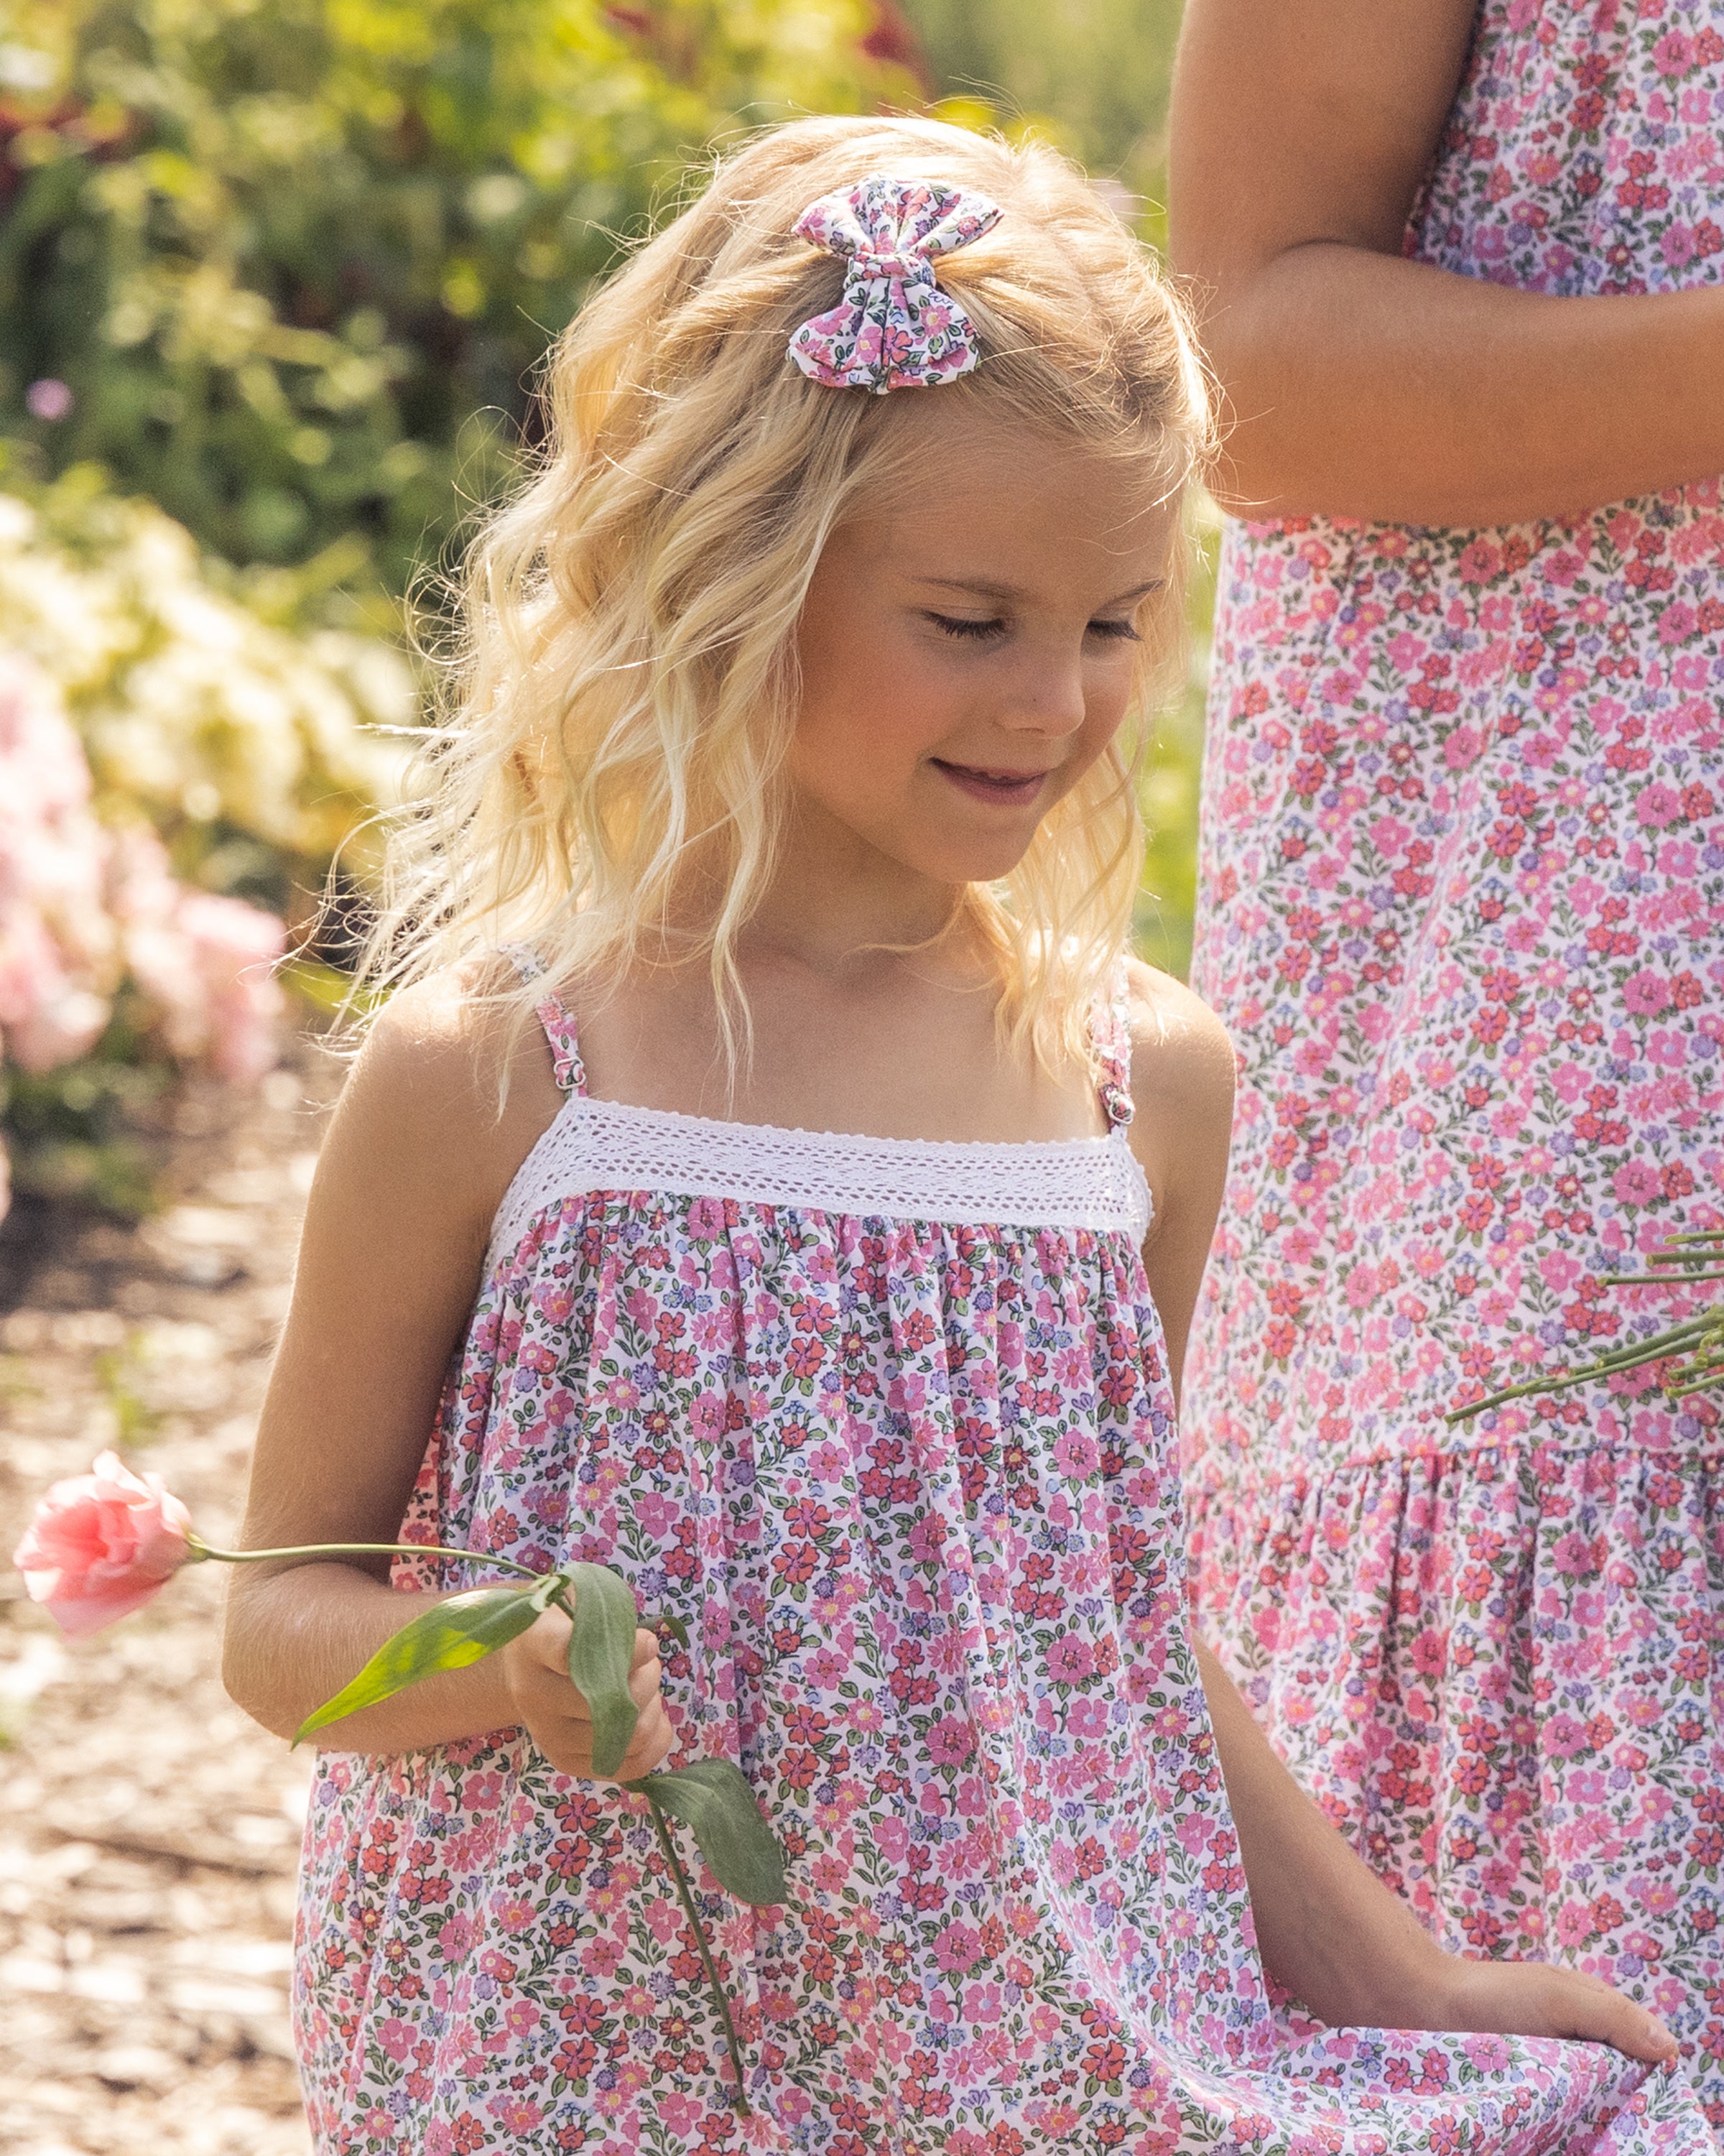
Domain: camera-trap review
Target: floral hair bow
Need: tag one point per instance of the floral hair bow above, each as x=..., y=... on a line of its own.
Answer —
x=894, y=328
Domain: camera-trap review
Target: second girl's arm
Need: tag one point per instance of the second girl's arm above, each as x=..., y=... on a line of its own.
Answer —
x=1328, y=1928
x=1353, y=1952
x=415, y=1162
x=1364, y=385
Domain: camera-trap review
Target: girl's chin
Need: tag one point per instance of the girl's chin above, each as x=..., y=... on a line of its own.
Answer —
x=977, y=867
x=937, y=844
x=984, y=857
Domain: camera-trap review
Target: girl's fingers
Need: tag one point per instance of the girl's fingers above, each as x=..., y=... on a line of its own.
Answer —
x=569, y=1744
x=547, y=1640
x=653, y=1737
x=1605, y=2017
x=1531, y=1998
x=651, y=1744
x=559, y=1719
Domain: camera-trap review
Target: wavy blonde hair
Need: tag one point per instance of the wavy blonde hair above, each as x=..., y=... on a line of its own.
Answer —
x=626, y=688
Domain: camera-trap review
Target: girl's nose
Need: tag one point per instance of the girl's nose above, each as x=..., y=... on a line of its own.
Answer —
x=1047, y=698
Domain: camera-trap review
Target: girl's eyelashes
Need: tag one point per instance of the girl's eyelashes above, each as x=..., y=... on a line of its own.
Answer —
x=959, y=625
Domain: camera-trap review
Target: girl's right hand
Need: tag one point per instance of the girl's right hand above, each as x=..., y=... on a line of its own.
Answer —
x=1533, y=1998
x=553, y=1713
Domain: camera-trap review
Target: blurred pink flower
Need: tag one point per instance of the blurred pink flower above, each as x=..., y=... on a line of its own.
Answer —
x=100, y=1545
x=49, y=399
x=81, y=905
x=235, y=947
x=204, y=962
x=56, y=940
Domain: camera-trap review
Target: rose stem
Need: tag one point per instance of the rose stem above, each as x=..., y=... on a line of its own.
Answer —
x=686, y=1897
x=362, y=1549
x=1662, y=1349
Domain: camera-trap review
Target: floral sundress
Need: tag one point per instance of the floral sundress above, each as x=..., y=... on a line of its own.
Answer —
x=1463, y=876
x=888, y=1425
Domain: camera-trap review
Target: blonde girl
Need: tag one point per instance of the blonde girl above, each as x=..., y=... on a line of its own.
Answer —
x=772, y=1179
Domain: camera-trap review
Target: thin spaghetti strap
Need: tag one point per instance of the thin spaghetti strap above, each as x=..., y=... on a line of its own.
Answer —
x=1113, y=1026
x=556, y=1019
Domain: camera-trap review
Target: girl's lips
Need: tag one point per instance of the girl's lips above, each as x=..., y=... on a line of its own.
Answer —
x=1012, y=789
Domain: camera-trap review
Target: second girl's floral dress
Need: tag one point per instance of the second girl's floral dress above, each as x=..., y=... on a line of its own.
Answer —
x=1464, y=911
x=888, y=1426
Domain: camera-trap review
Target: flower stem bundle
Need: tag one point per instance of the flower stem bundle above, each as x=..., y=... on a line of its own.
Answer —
x=1694, y=1348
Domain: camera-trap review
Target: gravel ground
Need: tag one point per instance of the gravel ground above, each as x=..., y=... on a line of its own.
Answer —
x=148, y=1830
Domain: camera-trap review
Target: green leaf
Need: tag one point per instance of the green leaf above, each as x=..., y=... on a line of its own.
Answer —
x=712, y=1797
x=601, y=1655
x=665, y=1622
x=464, y=1628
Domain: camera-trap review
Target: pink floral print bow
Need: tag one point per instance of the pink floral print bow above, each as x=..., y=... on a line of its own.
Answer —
x=894, y=328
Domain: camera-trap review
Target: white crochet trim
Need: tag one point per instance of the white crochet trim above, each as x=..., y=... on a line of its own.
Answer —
x=609, y=1145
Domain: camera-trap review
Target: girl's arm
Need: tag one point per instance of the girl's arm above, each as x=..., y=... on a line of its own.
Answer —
x=1328, y=1929
x=415, y=1164
x=1364, y=385
x=1353, y=1952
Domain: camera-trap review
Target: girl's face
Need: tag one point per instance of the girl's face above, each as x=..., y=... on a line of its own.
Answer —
x=968, y=649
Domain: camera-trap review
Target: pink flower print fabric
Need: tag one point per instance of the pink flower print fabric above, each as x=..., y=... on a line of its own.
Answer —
x=894, y=328
x=909, y=1480
x=1463, y=910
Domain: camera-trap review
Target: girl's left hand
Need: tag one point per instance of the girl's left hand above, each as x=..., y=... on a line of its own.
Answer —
x=1531, y=1998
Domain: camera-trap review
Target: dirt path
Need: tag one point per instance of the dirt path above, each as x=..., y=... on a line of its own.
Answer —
x=148, y=1831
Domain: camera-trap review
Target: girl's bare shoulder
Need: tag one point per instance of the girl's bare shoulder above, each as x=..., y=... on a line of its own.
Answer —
x=445, y=1046
x=1181, y=1093
x=1182, y=1055
x=448, y=1091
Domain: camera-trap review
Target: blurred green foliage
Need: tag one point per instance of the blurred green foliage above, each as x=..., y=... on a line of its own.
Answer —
x=83, y=1132
x=297, y=260
x=1092, y=74
x=1168, y=896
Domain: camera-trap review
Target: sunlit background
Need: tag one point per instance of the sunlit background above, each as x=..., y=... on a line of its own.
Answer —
x=274, y=277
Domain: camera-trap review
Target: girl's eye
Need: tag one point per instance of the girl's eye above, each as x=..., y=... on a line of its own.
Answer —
x=959, y=625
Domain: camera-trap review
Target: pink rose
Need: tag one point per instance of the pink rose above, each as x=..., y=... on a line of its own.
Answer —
x=100, y=1545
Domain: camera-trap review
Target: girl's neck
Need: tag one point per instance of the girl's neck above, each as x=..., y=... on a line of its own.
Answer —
x=835, y=903
x=878, y=1042
x=833, y=934
x=863, y=1016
